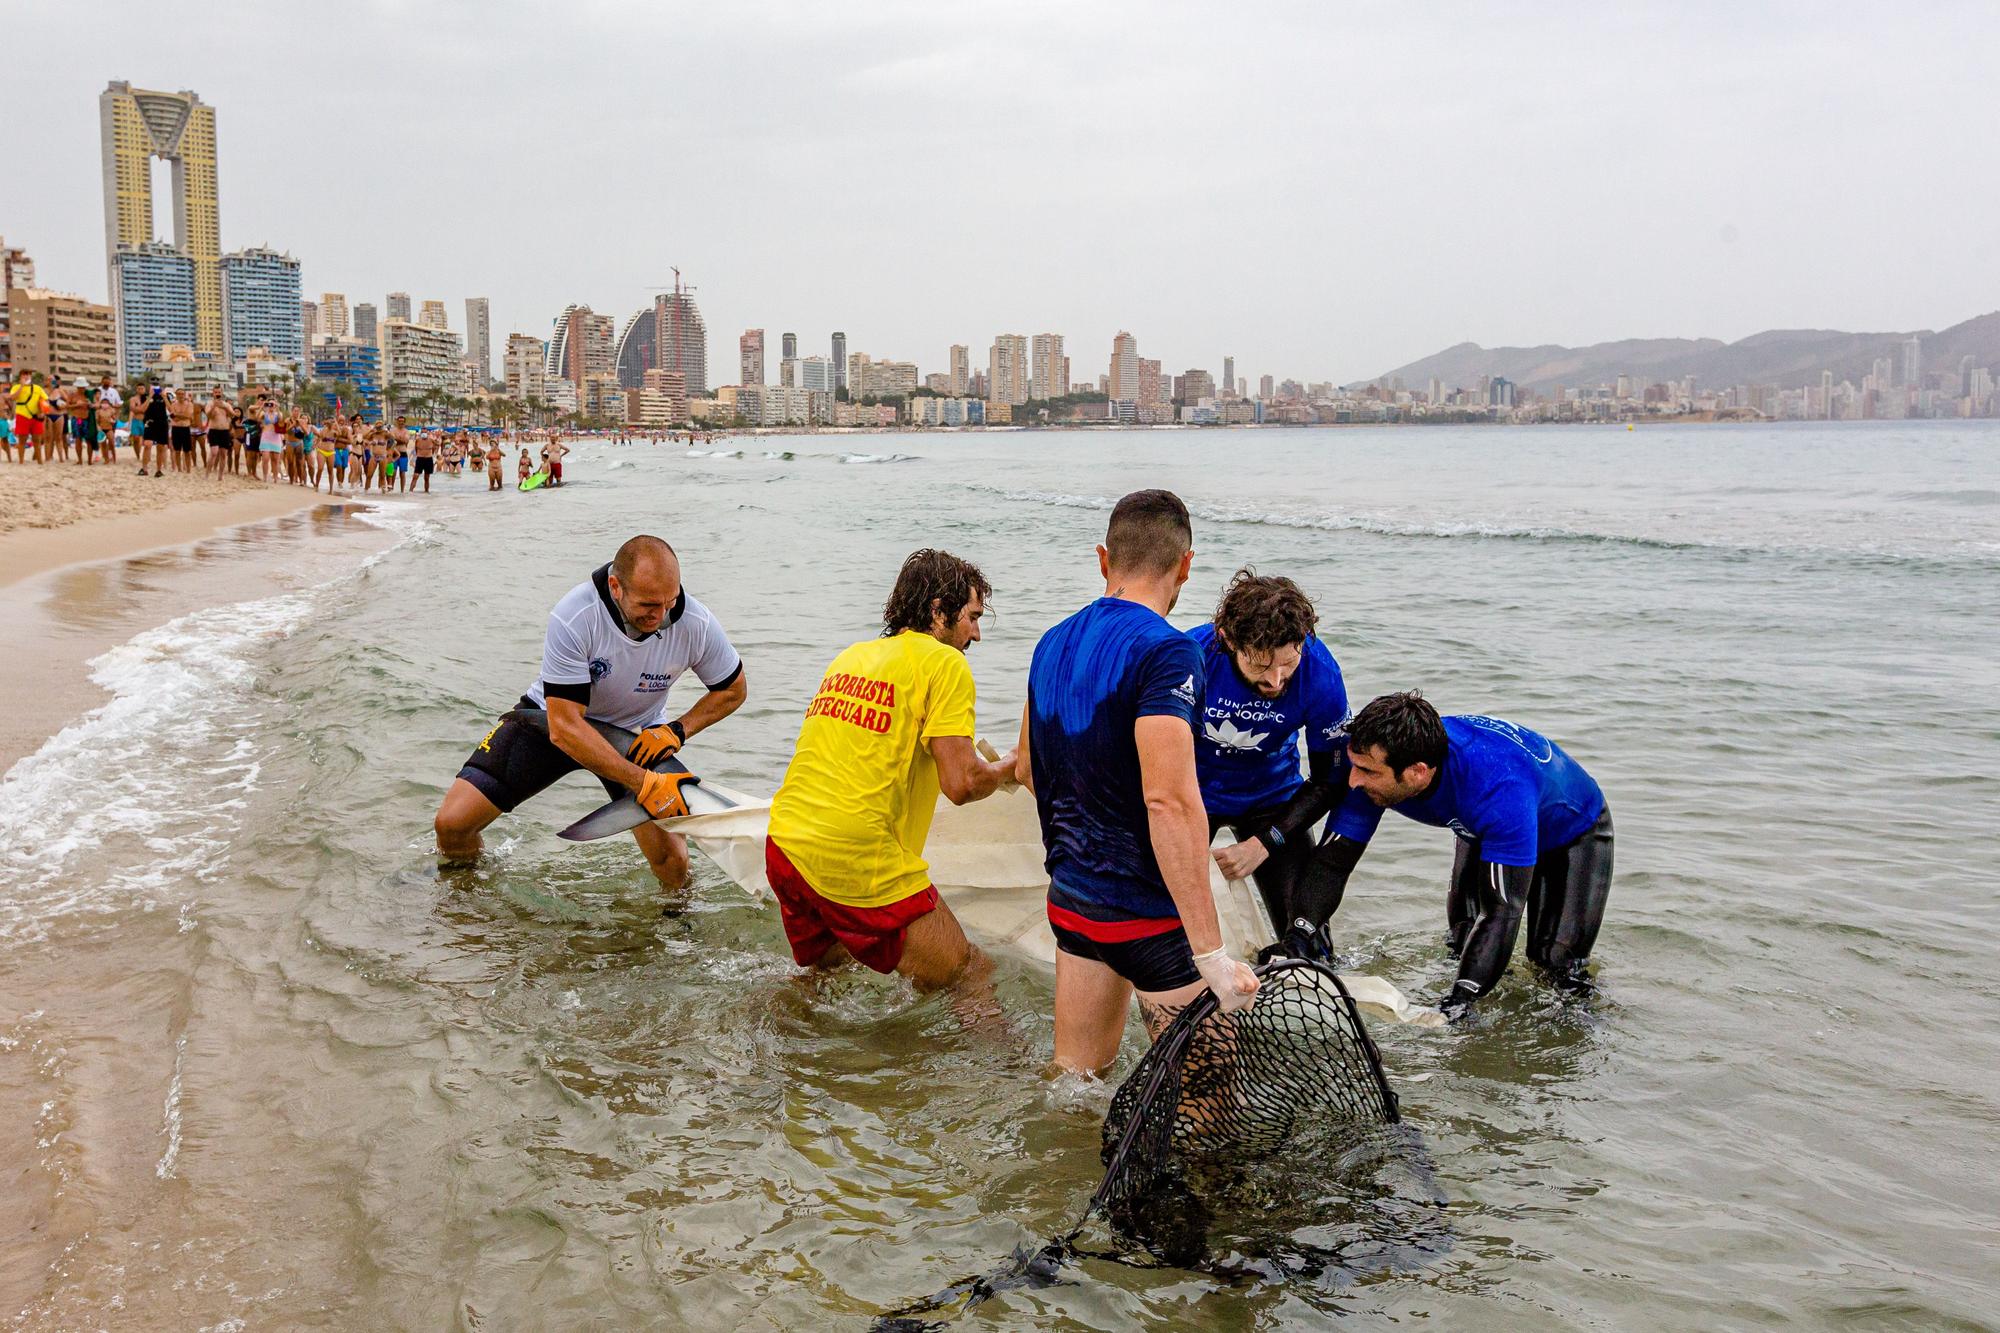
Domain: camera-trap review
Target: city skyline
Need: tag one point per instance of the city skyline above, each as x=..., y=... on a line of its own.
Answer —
x=1316, y=281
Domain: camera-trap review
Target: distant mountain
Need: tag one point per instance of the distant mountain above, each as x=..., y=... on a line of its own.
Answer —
x=1785, y=357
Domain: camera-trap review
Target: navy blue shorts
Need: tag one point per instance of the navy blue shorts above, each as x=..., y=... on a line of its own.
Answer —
x=1155, y=960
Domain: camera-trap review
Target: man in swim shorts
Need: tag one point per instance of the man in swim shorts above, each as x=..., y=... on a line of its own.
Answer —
x=1268, y=679
x=1108, y=744
x=221, y=414
x=615, y=645
x=425, y=461
x=889, y=728
x=1534, y=835
x=180, y=433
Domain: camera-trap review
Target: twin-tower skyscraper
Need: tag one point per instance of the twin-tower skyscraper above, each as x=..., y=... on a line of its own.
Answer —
x=139, y=126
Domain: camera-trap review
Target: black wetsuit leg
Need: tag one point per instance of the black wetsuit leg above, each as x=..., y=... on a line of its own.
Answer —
x=1483, y=913
x=1566, y=904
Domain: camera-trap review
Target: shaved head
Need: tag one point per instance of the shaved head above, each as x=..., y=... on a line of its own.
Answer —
x=645, y=582
x=641, y=550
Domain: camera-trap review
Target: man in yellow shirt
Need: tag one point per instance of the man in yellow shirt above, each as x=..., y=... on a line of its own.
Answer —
x=889, y=728
x=30, y=401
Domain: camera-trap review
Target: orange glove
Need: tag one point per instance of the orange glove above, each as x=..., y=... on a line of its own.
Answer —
x=660, y=795
x=653, y=744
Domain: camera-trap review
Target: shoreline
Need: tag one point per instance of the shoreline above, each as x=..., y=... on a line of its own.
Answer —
x=28, y=552
x=75, y=592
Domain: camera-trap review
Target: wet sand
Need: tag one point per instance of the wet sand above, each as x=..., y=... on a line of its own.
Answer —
x=55, y=516
x=61, y=615
x=144, y=570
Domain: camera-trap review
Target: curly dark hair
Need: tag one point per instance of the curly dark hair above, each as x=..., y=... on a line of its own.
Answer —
x=931, y=584
x=1260, y=613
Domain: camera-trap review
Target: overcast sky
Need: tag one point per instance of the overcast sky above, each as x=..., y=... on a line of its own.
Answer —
x=1322, y=190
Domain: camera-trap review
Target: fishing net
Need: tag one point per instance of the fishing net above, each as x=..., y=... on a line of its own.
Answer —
x=1222, y=1088
x=1215, y=1091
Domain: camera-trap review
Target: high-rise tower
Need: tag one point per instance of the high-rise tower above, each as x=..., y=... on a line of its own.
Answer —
x=138, y=125
x=479, y=338
x=1045, y=372
x=1125, y=369
x=682, y=336
x=839, y=361
x=333, y=314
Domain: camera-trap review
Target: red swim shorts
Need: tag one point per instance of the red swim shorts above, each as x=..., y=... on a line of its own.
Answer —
x=813, y=924
x=27, y=428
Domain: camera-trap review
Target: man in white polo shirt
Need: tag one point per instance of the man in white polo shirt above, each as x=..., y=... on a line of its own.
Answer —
x=615, y=645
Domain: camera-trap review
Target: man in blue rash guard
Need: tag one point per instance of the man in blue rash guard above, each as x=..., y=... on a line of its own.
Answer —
x=1107, y=747
x=1269, y=679
x=1534, y=835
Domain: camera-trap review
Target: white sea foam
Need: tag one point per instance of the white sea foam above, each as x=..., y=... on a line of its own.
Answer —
x=156, y=770
x=171, y=1156
x=715, y=453
x=121, y=772
x=878, y=458
x=1389, y=525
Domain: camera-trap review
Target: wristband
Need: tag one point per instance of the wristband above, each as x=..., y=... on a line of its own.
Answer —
x=1273, y=840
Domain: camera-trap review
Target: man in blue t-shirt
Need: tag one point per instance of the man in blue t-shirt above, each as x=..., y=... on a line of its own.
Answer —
x=1534, y=834
x=1268, y=680
x=1107, y=746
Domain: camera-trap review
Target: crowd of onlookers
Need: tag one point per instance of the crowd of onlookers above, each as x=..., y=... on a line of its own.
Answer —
x=253, y=434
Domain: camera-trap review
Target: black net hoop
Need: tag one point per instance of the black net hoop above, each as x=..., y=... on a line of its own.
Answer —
x=1215, y=1087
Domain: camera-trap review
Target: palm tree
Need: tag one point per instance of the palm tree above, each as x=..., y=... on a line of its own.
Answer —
x=344, y=392
x=310, y=397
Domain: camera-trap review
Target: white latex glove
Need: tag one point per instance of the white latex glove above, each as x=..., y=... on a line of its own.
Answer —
x=1234, y=984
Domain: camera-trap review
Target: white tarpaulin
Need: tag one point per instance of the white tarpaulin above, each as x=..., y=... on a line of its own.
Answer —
x=986, y=861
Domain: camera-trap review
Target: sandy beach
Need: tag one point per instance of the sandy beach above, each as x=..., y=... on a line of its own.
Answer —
x=59, y=514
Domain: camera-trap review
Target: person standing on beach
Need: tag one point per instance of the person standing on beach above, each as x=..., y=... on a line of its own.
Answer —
x=496, y=466
x=614, y=647
x=220, y=416
x=424, y=460
x=890, y=728
x=122, y=413
x=1534, y=836
x=554, y=454
x=155, y=430
x=336, y=437
x=180, y=429
x=399, y=454
x=1108, y=747
x=30, y=402
x=79, y=423
x=525, y=468
x=108, y=422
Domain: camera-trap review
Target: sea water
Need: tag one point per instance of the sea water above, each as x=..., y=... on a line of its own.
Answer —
x=270, y=1067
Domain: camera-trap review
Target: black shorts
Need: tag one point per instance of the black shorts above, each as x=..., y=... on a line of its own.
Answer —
x=517, y=761
x=423, y=466
x=183, y=440
x=220, y=439
x=1161, y=962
